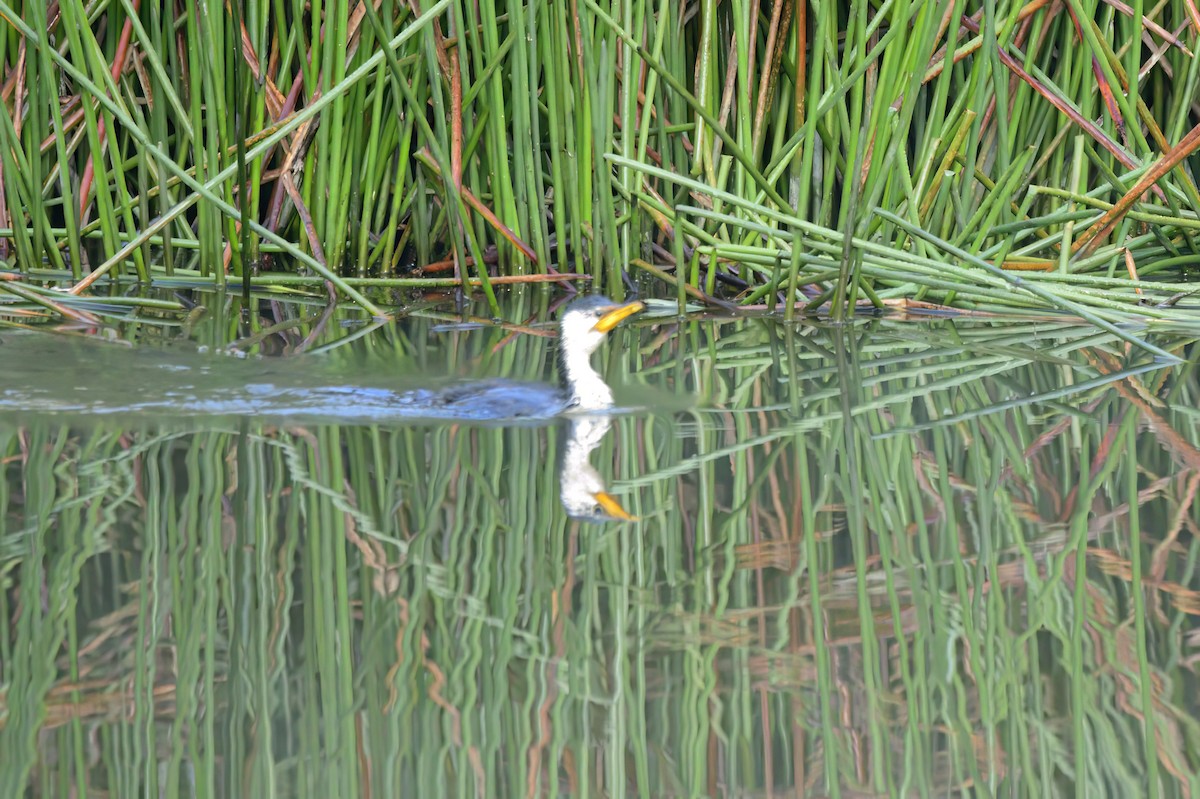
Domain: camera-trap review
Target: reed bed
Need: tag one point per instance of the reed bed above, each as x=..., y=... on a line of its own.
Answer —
x=992, y=155
x=872, y=558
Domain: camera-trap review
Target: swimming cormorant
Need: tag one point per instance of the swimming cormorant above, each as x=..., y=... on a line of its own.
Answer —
x=583, y=328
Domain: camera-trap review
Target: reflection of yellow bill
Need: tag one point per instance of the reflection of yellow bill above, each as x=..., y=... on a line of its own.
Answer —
x=617, y=315
x=610, y=504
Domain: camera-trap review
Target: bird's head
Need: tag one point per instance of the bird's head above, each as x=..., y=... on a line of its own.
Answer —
x=585, y=497
x=587, y=321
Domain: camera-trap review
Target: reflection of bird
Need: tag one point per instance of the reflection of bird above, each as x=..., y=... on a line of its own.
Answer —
x=582, y=490
x=582, y=329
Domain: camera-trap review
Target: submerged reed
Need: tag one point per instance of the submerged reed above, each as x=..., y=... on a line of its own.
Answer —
x=872, y=557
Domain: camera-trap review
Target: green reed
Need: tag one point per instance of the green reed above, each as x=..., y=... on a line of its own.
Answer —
x=360, y=139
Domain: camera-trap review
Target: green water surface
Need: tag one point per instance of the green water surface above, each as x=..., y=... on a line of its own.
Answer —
x=891, y=558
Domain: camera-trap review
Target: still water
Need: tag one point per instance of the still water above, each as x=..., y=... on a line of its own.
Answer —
x=892, y=558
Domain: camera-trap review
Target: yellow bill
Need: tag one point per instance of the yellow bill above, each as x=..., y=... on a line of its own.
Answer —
x=617, y=315
x=612, y=507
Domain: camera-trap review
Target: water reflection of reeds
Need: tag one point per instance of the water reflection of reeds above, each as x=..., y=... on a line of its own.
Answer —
x=884, y=559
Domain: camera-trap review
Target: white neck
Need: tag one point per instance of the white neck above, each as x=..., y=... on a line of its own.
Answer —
x=578, y=480
x=588, y=390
